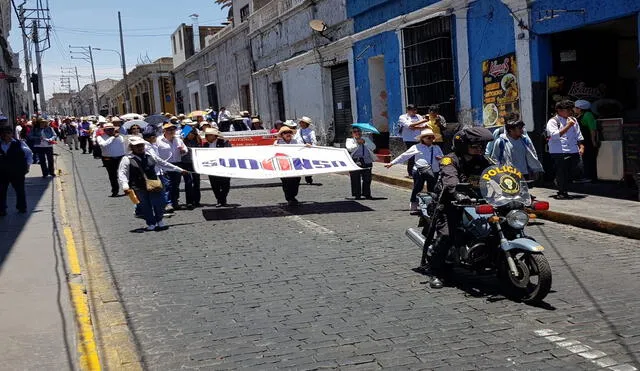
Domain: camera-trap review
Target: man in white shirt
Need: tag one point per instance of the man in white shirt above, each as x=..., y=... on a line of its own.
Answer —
x=223, y=115
x=171, y=148
x=410, y=126
x=565, y=145
x=112, y=146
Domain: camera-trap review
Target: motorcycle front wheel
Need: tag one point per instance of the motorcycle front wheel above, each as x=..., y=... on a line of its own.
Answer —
x=534, y=277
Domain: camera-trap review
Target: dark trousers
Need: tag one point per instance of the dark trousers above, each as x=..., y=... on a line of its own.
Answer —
x=446, y=221
x=566, y=165
x=111, y=164
x=45, y=158
x=361, y=182
x=174, y=187
x=418, y=184
x=84, y=143
x=590, y=162
x=290, y=187
x=220, y=186
x=97, y=151
x=308, y=179
x=17, y=182
x=152, y=206
x=191, y=184
x=412, y=160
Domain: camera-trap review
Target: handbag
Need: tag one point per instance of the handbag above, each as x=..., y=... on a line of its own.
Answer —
x=153, y=185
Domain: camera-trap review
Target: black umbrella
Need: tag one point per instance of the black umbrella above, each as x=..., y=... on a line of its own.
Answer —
x=156, y=119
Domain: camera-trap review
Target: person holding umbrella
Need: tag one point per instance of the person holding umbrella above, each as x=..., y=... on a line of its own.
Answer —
x=219, y=184
x=361, y=150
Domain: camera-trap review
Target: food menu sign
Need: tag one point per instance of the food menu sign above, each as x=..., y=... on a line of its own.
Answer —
x=501, y=92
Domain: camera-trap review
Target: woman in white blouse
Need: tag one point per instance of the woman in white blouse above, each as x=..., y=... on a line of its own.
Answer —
x=427, y=164
x=361, y=150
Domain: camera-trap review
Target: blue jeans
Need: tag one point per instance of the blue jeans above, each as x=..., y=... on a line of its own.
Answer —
x=165, y=192
x=418, y=184
x=152, y=206
x=174, y=187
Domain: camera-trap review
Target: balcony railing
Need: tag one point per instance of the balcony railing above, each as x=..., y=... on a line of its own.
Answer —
x=271, y=11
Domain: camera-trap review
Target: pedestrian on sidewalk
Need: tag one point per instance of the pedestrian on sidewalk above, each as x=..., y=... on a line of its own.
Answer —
x=97, y=132
x=290, y=186
x=171, y=148
x=219, y=184
x=361, y=150
x=43, y=138
x=191, y=179
x=426, y=168
x=15, y=160
x=137, y=173
x=514, y=148
x=306, y=135
x=112, y=145
x=565, y=145
x=589, y=130
x=410, y=126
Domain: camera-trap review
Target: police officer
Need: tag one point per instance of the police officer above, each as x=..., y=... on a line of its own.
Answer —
x=464, y=165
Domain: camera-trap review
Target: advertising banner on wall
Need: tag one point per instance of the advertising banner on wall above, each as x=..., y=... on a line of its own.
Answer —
x=501, y=92
x=267, y=162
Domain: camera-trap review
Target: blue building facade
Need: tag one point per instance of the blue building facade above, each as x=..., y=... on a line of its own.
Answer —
x=544, y=38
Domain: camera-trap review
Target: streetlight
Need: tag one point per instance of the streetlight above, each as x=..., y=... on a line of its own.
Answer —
x=124, y=77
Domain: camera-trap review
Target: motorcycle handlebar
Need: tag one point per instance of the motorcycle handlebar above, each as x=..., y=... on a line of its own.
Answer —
x=471, y=202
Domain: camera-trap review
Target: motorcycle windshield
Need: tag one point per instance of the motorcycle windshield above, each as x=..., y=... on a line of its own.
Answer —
x=501, y=185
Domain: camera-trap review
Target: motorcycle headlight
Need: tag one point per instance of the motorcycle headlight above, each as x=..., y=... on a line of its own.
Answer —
x=517, y=219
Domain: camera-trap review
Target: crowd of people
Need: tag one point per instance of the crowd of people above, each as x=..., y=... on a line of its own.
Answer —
x=166, y=160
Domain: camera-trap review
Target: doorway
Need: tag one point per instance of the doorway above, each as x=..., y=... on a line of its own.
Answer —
x=341, y=92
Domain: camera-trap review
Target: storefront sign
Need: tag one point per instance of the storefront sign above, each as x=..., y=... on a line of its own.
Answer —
x=501, y=92
x=561, y=88
x=267, y=162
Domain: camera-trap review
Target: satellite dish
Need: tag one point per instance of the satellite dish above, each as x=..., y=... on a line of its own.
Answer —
x=317, y=25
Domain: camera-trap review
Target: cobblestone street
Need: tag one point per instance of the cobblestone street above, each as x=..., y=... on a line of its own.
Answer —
x=329, y=284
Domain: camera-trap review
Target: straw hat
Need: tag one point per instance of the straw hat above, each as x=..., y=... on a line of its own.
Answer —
x=213, y=131
x=290, y=123
x=181, y=116
x=203, y=123
x=173, y=118
x=189, y=122
x=425, y=133
x=168, y=125
x=167, y=115
x=108, y=125
x=285, y=129
x=256, y=121
x=116, y=119
x=306, y=119
x=135, y=140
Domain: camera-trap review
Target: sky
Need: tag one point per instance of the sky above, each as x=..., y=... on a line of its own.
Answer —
x=147, y=28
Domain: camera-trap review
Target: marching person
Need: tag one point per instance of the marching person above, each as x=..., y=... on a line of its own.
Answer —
x=43, y=138
x=276, y=127
x=426, y=165
x=191, y=179
x=112, y=146
x=98, y=131
x=171, y=148
x=290, y=186
x=70, y=128
x=410, y=126
x=256, y=124
x=514, y=148
x=15, y=160
x=219, y=184
x=306, y=135
x=565, y=145
x=84, y=129
x=135, y=173
x=361, y=149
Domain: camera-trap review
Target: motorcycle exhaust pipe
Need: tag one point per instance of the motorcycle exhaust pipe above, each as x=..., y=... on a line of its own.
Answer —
x=415, y=236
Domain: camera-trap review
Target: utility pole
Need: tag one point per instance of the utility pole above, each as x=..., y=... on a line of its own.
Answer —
x=36, y=42
x=79, y=98
x=127, y=99
x=27, y=69
x=86, y=54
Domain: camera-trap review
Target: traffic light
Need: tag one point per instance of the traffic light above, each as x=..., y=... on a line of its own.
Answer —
x=34, y=82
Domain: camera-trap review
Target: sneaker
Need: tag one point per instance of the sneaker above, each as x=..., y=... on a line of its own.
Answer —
x=168, y=209
x=161, y=224
x=151, y=227
x=294, y=202
x=413, y=206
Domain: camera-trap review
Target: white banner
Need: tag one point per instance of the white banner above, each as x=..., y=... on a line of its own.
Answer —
x=266, y=162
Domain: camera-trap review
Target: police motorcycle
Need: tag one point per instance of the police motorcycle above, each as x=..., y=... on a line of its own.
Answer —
x=491, y=237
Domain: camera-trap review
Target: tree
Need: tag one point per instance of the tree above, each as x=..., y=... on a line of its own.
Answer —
x=224, y=3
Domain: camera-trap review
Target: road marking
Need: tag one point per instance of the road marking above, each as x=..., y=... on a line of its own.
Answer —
x=87, y=348
x=596, y=357
x=314, y=227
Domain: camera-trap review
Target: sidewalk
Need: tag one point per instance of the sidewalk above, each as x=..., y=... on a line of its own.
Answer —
x=36, y=316
x=603, y=214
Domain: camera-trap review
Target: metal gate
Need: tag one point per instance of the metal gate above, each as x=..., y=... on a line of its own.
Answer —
x=341, y=102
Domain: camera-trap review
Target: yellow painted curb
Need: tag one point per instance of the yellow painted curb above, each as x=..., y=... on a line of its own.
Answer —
x=87, y=348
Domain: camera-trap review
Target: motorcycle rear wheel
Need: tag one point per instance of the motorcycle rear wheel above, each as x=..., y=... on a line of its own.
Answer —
x=529, y=266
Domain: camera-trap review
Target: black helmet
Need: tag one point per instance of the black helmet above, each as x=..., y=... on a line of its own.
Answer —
x=470, y=135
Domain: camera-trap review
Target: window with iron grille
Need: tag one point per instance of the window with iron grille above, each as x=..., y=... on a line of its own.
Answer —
x=244, y=13
x=428, y=66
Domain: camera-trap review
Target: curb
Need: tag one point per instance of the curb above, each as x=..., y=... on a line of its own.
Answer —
x=583, y=222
